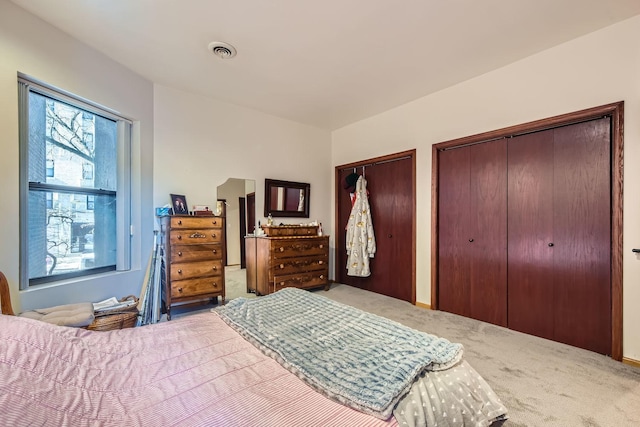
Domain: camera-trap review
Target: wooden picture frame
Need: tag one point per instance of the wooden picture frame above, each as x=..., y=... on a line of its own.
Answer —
x=179, y=204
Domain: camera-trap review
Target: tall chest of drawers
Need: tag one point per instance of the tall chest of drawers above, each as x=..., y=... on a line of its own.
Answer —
x=194, y=252
x=280, y=262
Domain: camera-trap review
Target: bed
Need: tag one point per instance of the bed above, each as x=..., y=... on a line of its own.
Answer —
x=287, y=359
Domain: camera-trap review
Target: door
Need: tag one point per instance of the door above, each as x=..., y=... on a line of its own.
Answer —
x=472, y=261
x=454, y=232
x=251, y=213
x=243, y=231
x=530, y=216
x=582, y=235
x=391, y=187
x=565, y=227
x=560, y=234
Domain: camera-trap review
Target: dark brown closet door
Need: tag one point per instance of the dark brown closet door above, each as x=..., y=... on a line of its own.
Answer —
x=472, y=231
x=559, y=235
x=530, y=227
x=454, y=232
x=582, y=235
x=390, y=185
x=488, y=206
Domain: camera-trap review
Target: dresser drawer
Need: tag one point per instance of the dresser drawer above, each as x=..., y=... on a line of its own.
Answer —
x=298, y=248
x=195, y=237
x=178, y=222
x=189, y=270
x=308, y=279
x=296, y=265
x=194, y=287
x=184, y=253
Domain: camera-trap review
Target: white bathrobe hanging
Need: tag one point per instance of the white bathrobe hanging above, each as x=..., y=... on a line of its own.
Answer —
x=361, y=241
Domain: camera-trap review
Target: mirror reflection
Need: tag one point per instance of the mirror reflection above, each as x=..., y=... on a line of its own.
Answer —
x=237, y=196
x=286, y=198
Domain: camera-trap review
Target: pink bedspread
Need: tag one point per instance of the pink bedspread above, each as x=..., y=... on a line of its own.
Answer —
x=194, y=371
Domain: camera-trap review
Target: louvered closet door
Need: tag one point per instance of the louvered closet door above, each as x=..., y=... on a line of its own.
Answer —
x=559, y=235
x=472, y=232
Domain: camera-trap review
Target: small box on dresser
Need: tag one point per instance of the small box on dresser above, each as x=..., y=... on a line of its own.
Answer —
x=194, y=252
x=284, y=259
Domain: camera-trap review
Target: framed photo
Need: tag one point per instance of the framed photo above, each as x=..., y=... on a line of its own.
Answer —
x=179, y=204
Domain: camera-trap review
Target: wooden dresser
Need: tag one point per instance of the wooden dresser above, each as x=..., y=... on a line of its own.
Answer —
x=194, y=251
x=287, y=261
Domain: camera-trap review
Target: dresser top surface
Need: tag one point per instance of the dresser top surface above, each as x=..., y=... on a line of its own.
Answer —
x=248, y=236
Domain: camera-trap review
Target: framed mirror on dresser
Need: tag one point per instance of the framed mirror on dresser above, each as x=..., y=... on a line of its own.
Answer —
x=286, y=198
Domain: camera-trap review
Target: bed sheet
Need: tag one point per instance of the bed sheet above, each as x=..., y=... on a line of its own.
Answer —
x=193, y=371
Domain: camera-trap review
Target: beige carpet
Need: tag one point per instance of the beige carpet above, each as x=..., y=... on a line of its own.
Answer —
x=235, y=282
x=542, y=383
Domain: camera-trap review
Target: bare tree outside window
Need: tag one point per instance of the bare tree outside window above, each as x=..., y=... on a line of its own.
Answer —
x=72, y=216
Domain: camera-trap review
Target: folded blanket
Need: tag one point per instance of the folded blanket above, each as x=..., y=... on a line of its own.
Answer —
x=76, y=315
x=362, y=360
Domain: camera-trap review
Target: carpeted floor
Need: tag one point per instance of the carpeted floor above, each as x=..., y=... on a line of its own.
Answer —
x=235, y=282
x=541, y=382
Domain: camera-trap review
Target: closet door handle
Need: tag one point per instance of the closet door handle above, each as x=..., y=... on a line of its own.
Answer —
x=470, y=240
x=635, y=251
x=550, y=245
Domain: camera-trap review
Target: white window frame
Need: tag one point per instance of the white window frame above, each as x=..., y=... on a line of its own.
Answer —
x=26, y=85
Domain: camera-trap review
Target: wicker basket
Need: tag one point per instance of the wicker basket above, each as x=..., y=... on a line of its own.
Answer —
x=118, y=318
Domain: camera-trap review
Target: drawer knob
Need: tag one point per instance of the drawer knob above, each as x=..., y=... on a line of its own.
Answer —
x=321, y=246
x=320, y=262
x=213, y=235
x=179, y=271
x=281, y=265
x=179, y=222
x=215, y=251
x=322, y=276
x=179, y=237
x=281, y=249
x=281, y=283
x=214, y=222
x=214, y=284
x=215, y=268
x=179, y=253
x=179, y=289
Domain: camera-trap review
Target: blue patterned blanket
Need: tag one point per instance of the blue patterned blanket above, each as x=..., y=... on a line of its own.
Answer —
x=362, y=360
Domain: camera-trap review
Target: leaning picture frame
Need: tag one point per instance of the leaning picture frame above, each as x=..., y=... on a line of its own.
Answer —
x=179, y=204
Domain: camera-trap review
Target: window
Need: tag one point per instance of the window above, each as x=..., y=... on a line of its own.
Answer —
x=75, y=219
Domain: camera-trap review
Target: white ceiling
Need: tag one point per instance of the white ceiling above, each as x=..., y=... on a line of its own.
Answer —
x=325, y=63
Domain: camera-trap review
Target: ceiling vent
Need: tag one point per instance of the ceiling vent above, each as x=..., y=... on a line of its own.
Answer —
x=222, y=50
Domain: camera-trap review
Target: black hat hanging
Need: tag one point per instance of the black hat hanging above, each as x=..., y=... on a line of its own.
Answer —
x=350, y=182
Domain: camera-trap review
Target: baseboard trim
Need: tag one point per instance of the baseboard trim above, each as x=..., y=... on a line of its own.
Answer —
x=423, y=305
x=631, y=362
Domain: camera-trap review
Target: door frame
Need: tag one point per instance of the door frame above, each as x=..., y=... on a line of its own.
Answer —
x=243, y=230
x=340, y=234
x=616, y=112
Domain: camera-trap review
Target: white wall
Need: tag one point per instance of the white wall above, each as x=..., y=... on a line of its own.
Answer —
x=30, y=46
x=597, y=69
x=201, y=142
